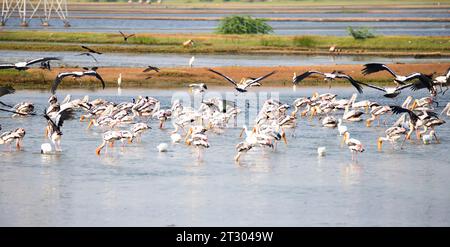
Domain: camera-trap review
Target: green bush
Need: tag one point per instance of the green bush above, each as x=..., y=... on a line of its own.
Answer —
x=362, y=33
x=246, y=24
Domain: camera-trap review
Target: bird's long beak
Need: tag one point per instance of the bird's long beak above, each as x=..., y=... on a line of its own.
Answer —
x=130, y=140
x=413, y=105
x=242, y=132
x=98, y=150
x=368, y=123
x=90, y=123
x=379, y=144
x=187, y=136
x=81, y=118
x=46, y=132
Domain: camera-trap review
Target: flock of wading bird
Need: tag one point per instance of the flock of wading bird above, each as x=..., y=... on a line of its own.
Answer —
x=126, y=121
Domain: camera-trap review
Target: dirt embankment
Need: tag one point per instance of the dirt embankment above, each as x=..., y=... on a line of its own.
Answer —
x=181, y=77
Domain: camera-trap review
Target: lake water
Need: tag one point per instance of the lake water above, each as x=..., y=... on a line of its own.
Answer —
x=291, y=186
x=71, y=59
x=280, y=27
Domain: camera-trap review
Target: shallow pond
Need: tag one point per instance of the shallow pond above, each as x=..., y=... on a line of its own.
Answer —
x=138, y=186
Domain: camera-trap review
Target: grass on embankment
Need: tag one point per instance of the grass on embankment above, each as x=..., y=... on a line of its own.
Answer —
x=214, y=43
x=182, y=77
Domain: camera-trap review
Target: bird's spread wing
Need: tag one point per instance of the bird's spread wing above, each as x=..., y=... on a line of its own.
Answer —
x=131, y=35
x=42, y=59
x=12, y=111
x=352, y=81
x=93, y=73
x=63, y=115
x=375, y=67
x=49, y=120
x=423, y=82
x=123, y=35
x=299, y=78
x=6, y=90
x=7, y=66
x=259, y=79
x=404, y=86
x=59, y=79
x=224, y=76
x=398, y=110
x=150, y=68
x=372, y=86
x=91, y=50
x=413, y=76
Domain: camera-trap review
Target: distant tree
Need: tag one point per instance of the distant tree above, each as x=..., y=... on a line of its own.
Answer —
x=245, y=24
x=362, y=33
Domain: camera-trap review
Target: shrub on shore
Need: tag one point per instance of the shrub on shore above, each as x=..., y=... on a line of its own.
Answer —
x=244, y=24
x=361, y=33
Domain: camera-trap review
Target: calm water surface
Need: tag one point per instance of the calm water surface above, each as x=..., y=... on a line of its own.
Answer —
x=71, y=59
x=291, y=186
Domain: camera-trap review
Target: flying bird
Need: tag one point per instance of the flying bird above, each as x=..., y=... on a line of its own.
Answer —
x=245, y=82
x=91, y=50
x=76, y=74
x=327, y=77
x=399, y=79
x=25, y=65
x=4, y=91
x=125, y=37
x=150, y=68
x=89, y=55
x=392, y=92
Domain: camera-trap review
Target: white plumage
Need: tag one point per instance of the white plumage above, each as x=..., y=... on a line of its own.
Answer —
x=46, y=148
x=321, y=151
x=162, y=147
x=191, y=61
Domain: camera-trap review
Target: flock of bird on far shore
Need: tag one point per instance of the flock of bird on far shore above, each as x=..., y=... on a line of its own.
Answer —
x=127, y=121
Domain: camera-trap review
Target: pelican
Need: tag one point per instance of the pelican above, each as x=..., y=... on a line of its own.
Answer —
x=25, y=65
x=352, y=115
x=53, y=129
x=376, y=112
x=354, y=145
x=191, y=61
x=24, y=109
x=328, y=77
x=10, y=136
x=197, y=138
x=241, y=148
x=76, y=74
x=245, y=82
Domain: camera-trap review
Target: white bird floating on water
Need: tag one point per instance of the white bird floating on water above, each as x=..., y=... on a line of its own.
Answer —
x=321, y=151
x=46, y=148
x=176, y=138
x=162, y=147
